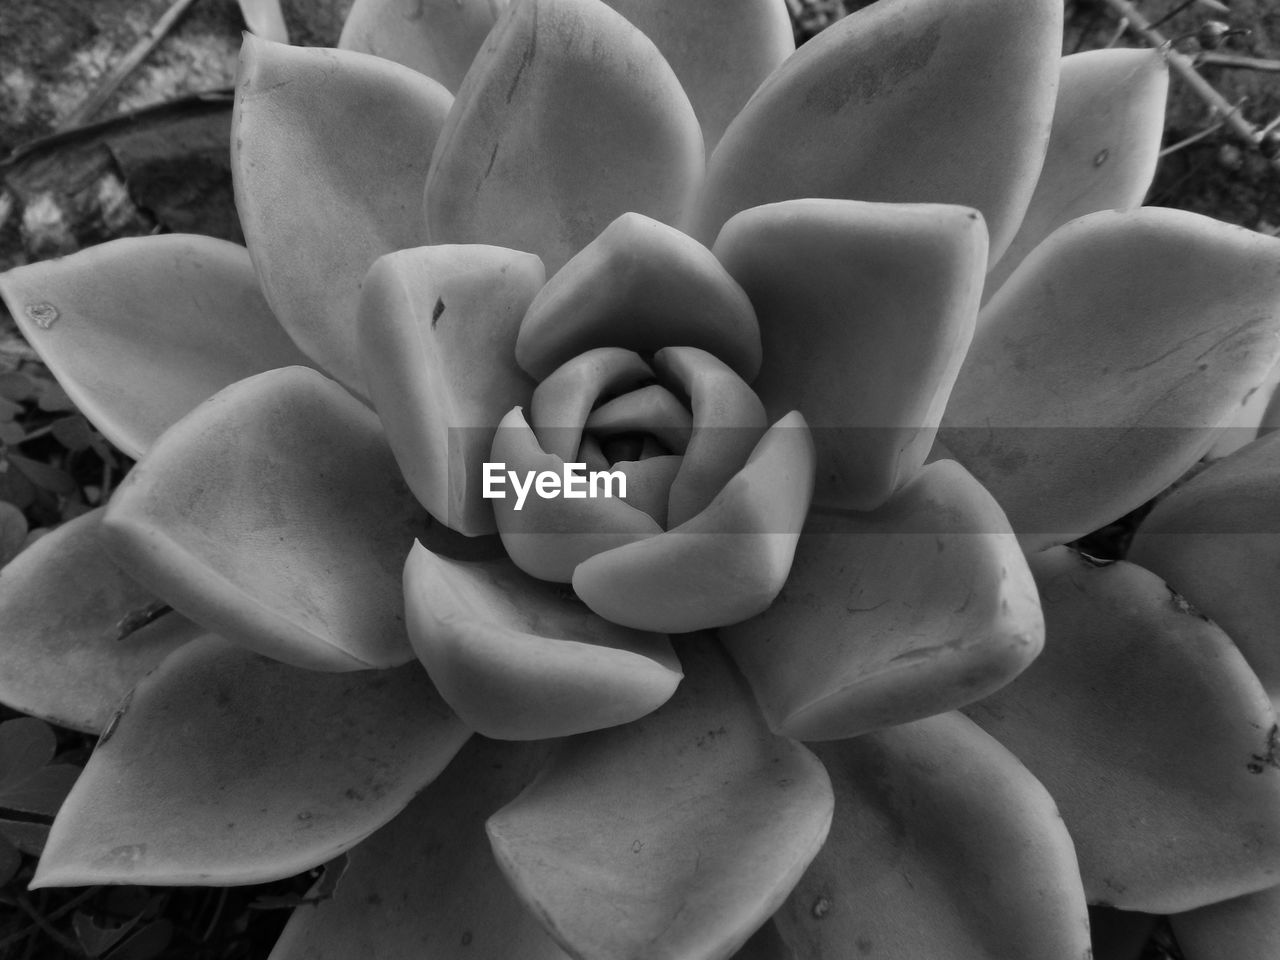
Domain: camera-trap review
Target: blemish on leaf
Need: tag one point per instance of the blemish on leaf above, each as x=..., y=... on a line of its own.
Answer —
x=436, y=312
x=1270, y=757
x=821, y=907
x=115, y=719
x=1183, y=605
x=135, y=620
x=43, y=314
x=1101, y=157
x=466, y=938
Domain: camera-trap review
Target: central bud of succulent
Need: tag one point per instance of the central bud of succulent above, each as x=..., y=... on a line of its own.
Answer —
x=677, y=426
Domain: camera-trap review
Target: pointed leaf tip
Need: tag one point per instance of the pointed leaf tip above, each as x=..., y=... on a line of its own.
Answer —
x=226, y=768
x=1102, y=369
x=568, y=118
x=918, y=101
x=275, y=513
x=140, y=330
x=325, y=185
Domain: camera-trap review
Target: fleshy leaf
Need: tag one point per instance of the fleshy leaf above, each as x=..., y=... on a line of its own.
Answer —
x=437, y=348
x=548, y=537
x=77, y=632
x=568, y=118
x=140, y=330
x=565, y=398
x=275, y=515
x=865, y=311
x=1153, y=735
x=437, y=37
x=265, y=18
x=1245, y=928
x=1101, y=369
x=942, y=845
x=1216, y=540
x=518, y=659
x=426, y=884
x=1103, y=149
x=640, y=285
x=724, y=564
x=695, y=818
x=919, y=607
x=325, y=185
x=225, y=767
x=721, y=51
x=728, y=422
x=918, y=101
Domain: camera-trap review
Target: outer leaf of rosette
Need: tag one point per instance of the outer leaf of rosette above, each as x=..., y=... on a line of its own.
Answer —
x=275, y=515
x=1100, y=371
x=641, y=285
x=437, y=37
x=1216, y=540
x=1152, y=734
x=919, y=607
x=866, y=311
x=426, y=884
x=1244, y=928
x=721, y=51
x=77, y=632
x=329, y=153
x=225, y=767
x=723, y=565
x=548, y=537
x=942, y=845
x=914, y=101
x=437, y=348
x=1102, y=155
x=568, y=118
x=140, y=330
x=674, y=836
x=519, y=659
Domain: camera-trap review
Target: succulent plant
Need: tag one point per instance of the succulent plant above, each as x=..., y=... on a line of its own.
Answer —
x=872, y=329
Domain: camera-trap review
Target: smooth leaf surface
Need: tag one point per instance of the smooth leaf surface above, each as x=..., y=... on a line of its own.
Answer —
x=866, y=311
x=1216, y=540
x=1100, y=370
x=436, y=37
x=139, y=331
x=226, y=767
x=942, y=847
x=1245, y=928
x=426, y=884
x=1106, y=135
x=275, y=515
x=695, y=821
x=437, y=348
x=641, y=285
x=569, y=118
x=518, y=659
x=325, y=183
x=1152, y=734
x=721, y=51
x=919, y=101
x=919, y=607
x=724, y=564
x=265, y=18
x=67, y=652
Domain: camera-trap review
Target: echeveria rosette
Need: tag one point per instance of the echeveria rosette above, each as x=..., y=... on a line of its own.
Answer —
x=278, y=514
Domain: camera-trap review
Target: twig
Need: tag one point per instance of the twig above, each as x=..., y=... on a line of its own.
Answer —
x=1185, y=68
x=140, y=51
x=1238, y=62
